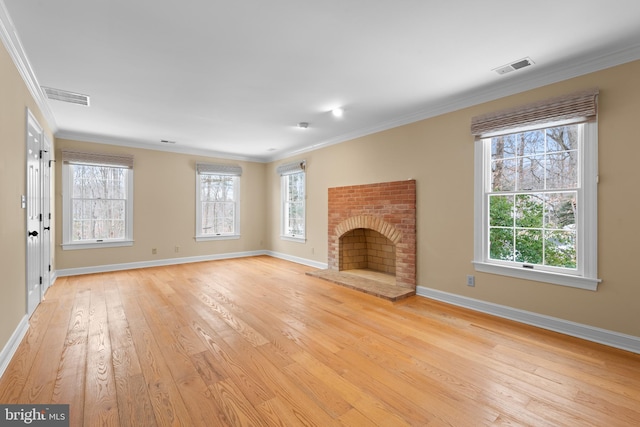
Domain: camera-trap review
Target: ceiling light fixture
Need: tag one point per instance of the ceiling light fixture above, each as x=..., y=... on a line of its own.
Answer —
x=337, y=112
x=303, y=125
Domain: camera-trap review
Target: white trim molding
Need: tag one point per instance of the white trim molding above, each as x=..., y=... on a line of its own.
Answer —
x=155, y=263
x=533, y=79
x=12, y=345
x=584, y=276
x=590, y=333
x=578, y=330
x=186, y=260
x=298, y=260
x=11, y=41
x=587, y=283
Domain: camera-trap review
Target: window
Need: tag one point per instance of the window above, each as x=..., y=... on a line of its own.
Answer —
x=218, y=201
x=536, y=192
x=97, y=200
x=293, y=200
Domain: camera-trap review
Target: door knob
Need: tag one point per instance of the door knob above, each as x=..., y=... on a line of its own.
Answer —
x=33, y=233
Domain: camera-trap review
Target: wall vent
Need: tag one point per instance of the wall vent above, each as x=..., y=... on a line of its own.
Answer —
x=66, y=96
x=517, y=65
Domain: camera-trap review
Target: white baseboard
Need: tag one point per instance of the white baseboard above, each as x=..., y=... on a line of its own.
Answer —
x=185, y=260
x=297, y=260
x=590, y=333
x=154, y=263
x=12, y=345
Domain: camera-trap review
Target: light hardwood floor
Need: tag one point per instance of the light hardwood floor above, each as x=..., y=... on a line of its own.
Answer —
x=255, y=341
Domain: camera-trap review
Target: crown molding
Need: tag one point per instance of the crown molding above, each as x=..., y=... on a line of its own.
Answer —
x=529, y=79
x=12, y=43
x=144, y=145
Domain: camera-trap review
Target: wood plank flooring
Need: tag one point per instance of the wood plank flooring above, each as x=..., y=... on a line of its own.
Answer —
x=257, y=342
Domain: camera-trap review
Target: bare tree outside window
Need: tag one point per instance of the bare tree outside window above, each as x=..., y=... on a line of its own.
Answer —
x=294, y=204
x=533, y=197
x=98, y=202
x=218, y=204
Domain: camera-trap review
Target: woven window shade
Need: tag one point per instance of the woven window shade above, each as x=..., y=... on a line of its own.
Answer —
x=218, y=169
x=293, y=167
x=97, y=159
x=575, y=107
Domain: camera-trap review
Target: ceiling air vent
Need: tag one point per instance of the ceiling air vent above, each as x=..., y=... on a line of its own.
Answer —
x=66, y=96
x=525, y=62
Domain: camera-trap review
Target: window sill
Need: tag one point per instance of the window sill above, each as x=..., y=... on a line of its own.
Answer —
x=297, y=239
x=217, y=237
x=587, y=283
x=96, y=245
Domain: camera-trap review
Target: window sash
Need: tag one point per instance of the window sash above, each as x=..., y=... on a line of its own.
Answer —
x=585, y=275
x=293, y=205
x=539, y=231
x=84, y=226
x=218, y=214
x=531, y=199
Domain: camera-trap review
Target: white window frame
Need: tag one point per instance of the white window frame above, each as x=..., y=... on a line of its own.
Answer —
x=92, y=159
x=231, y=171
x=286, y=171
x=585, y=276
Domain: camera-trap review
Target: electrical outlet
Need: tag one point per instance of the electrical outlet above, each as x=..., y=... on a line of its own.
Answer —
x=471, y=280
x=177, y=248
x=154, y=251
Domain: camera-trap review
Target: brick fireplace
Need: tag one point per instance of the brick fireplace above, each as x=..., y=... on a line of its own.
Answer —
x=373, y=227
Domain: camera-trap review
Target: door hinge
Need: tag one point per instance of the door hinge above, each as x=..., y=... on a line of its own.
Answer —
x=41, y=280
x=49, y=267
x=40, y=217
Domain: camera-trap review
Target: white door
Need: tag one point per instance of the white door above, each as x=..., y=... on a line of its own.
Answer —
x=45, y=171
x=33, y=207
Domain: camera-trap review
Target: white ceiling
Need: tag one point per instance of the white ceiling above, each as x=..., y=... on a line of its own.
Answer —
x=233, y=78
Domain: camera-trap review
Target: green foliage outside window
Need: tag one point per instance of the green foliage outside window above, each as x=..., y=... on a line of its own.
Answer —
x=533, y=197
x=518, y=232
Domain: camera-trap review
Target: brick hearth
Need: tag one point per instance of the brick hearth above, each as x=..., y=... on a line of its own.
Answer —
x=387, y=208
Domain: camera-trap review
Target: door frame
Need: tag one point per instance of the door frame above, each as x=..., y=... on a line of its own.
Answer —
x=45, y=205
x=38, y=268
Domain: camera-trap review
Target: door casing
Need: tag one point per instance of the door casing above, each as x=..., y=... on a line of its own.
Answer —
x=38, y=199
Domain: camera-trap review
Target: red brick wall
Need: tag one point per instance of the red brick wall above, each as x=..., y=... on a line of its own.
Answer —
x=388, y=208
